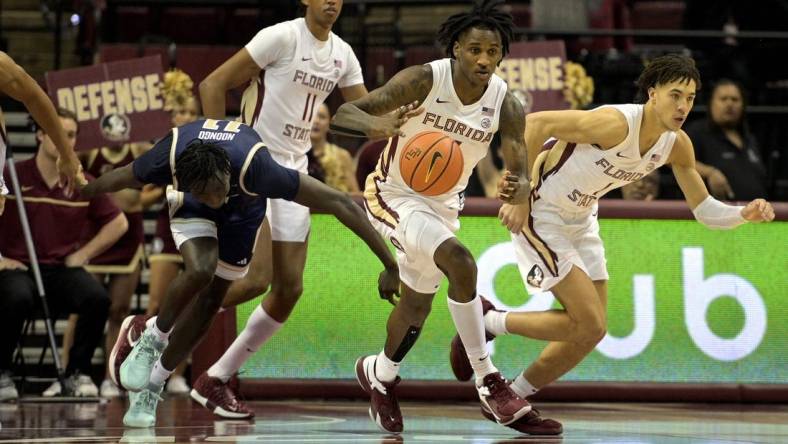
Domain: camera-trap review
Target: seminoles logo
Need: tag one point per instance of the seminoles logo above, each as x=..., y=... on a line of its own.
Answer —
x=115, y=127
x=535, y=276
x=486, y=123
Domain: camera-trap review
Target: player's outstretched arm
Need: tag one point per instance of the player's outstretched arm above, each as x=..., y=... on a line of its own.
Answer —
x=381, y=113
x=706, y=209
x=606, y=127
x=116, y=180
x=15, y=82
x=314, y=194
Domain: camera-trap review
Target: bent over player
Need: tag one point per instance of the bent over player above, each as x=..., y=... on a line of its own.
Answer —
x=221, y=175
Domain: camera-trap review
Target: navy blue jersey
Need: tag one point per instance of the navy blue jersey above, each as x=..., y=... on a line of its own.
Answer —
x=253, y=171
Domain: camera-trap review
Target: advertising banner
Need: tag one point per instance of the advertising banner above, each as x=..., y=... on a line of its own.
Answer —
x=115, y=103
x=685, y=304
x=534, y=72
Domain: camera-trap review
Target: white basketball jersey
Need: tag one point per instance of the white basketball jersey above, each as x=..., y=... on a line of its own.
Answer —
x=283, y=114
x=473, y=126
x=574, y=176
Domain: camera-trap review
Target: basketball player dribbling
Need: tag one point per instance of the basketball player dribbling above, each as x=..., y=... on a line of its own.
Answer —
x=466, y=102
x=298, y=63
x=556, y=233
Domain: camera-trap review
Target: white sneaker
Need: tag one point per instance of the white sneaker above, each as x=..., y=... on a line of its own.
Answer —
x=7, y=387
x=53, y=390
x=84, y=386
x=109, y=389
x=177, y=385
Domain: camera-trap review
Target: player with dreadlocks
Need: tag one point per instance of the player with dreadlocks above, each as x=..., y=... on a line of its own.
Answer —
x=462, y=89
x=218, y=175
x=556, y=233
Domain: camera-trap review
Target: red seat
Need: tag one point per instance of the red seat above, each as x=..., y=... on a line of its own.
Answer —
x=657, y=15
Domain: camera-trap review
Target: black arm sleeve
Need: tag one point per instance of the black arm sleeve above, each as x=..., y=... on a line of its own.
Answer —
x=154, y=166
x=267, y=178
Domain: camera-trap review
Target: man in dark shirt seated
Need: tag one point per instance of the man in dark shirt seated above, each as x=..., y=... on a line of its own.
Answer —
x=727, y=154
x=56, y=221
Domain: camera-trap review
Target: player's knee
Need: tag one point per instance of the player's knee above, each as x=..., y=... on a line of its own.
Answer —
x=290, y=292
x=591, y=331
x=460, y=264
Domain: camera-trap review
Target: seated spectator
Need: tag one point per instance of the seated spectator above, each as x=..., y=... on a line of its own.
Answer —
x=56, y=223
x=727, y=154
x=647, y=188
x=335, y=163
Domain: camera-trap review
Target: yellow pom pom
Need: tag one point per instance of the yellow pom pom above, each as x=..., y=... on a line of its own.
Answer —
x=176, y=89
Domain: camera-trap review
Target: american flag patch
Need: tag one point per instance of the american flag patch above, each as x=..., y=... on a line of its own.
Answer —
x=655, y=158
x=337, y=63
x=488, y=111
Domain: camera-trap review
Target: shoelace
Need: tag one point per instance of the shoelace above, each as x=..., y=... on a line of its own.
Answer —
x=225, y=393
x=147, y=349
x=498, y=387
x=149, y=399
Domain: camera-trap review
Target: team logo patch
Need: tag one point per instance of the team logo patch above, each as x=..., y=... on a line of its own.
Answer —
x=535, y=276
x=486, y=123
x=115, y=127
x=650, y=166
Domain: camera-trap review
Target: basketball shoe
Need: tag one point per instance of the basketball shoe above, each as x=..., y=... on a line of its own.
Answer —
x=384, y=407
x=128, y=336
x=531, y=424
x=500, y=400
x=142, y=407
x=219, y=397
x=136, y=368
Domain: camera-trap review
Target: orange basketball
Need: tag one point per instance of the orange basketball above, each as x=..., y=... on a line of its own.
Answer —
x=431, y=163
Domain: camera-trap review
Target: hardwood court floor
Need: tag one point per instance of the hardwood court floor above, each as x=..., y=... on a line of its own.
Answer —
x=182, y=421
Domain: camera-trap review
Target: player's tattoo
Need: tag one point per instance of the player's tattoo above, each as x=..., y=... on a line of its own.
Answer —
x=409, y=85
x=512, y=127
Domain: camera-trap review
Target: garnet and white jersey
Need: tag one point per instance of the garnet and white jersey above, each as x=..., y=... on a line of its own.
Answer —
x=473, y=126
x=574, y=176
x=299, y=72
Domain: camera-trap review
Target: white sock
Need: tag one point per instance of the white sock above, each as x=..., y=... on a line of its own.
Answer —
x=385, y=369
x=522, y=387
x=259, y=328
x=470, y=326
x=495, y=322
x=161, y=335
x=159, y=374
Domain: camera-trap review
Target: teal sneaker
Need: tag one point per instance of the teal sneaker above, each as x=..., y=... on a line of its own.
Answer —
x=142, y=407
x=135, y=370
